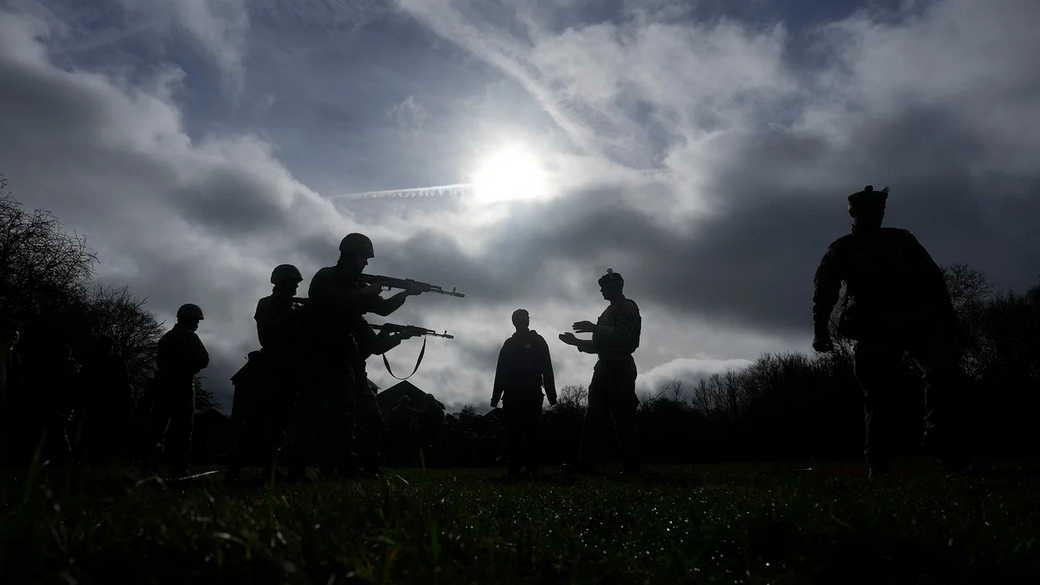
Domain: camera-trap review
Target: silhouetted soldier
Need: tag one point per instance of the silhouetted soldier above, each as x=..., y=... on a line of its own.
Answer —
x=896, y=301
x=524, y=368
x=612, y=394
x=181, y=356
x=368, y=419
x=265, y=388
x=323, y=421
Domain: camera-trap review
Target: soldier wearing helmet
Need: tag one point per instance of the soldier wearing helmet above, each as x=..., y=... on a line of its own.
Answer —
x=368, y=418
x=180, y=357
x=341, y=340
x=612, y=394
x=266, y=385
x=277, y=315
x=896, y=302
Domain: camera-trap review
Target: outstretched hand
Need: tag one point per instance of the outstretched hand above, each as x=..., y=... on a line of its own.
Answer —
x=584, y=326
x=569, y=338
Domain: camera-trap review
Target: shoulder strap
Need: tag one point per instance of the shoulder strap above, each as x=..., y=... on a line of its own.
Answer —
x=418, y=361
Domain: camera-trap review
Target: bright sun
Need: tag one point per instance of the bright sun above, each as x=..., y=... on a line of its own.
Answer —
x=509, y=174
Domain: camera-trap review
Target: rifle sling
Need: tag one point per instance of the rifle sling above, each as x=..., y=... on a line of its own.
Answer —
x=418, y=361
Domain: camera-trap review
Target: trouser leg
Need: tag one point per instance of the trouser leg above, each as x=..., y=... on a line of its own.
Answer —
x=623, y=404
x=533, y=415
x=521, y=426
x=179, y=436
x=876, y=365
x=369, y=430
x=514, y=436
x=301, y=431
x=157, y=433
x=944, y=389
x=596, y=414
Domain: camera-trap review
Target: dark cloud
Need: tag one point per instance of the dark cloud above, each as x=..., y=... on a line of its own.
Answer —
x=196, y=187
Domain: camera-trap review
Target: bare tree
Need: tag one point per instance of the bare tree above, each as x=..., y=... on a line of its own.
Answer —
x=121, y=317
x=577, y=396
x=674, y=390
x=40, y=265
x=204, y=398
x=969, y=288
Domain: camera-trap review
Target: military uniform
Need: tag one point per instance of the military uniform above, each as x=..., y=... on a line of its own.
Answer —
x=278, y=329
x=524, y=368
x=181, y=356
x=896, y=301
x=369, y=426
x=265, y=387
x=317, y=430
x=612, y=395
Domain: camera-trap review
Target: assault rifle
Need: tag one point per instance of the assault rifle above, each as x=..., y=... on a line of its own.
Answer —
x=395, y=328
x=408, y=284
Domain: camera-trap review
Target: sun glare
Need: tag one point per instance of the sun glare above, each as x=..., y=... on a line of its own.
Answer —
x=513, y=173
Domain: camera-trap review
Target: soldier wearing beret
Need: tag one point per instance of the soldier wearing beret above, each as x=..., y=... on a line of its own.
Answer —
x=896, y=302
x=612, y=394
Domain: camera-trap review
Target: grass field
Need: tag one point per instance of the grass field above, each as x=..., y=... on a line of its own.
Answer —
x=769, y=523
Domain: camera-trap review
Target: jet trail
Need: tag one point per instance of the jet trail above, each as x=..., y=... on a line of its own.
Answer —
x=454, y=190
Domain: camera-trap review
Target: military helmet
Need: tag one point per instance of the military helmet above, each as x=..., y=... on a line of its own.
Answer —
x=190, y=311
x=356, y=244
x=285, y=273
x=868, y=196
x=611, y=277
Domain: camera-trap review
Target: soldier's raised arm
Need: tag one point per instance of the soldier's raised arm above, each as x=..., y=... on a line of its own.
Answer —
x=383, y=307
x=622, y=333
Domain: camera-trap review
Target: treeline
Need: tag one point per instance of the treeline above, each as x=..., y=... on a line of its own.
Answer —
x=77, y=358
x=797, y=406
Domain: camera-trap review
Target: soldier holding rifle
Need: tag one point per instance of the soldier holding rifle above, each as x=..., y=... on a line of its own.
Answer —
x=368, y=418
x=266, y=386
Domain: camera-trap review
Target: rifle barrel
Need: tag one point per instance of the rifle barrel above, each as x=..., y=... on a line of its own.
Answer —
x=393, y=327
x=408, y=284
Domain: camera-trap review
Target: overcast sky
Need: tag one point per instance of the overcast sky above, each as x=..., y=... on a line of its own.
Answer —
x=702, y=149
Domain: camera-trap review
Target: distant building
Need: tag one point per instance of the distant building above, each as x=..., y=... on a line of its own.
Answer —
x=413, y=421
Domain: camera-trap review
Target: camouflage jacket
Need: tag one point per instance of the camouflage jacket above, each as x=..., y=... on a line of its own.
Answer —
x=892, y=286
x=181, y=355
x=617, y=331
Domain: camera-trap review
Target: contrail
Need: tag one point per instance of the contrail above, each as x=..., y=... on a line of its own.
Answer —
x=454, y=190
